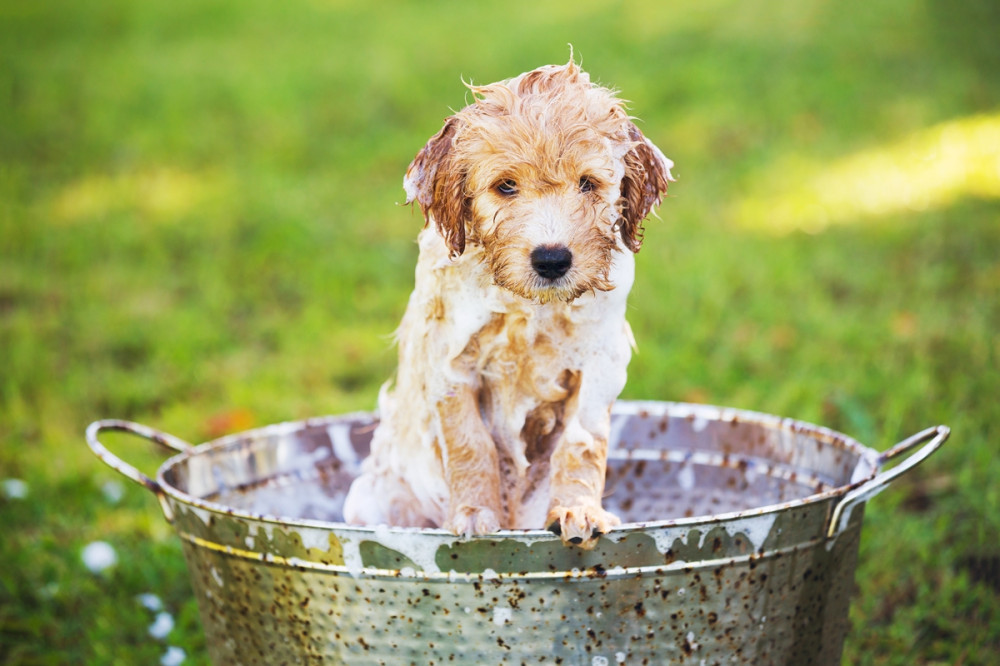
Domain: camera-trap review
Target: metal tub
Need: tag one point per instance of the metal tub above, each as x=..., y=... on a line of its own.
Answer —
x=738, y=546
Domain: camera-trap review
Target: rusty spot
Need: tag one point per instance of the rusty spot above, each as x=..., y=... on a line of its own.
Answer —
x=425, y=610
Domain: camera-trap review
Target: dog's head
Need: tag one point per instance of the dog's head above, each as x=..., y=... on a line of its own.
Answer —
x=547, y=173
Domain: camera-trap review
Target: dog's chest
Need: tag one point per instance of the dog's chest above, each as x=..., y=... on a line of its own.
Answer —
x=528, y=354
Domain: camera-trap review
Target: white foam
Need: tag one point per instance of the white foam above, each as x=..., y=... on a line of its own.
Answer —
x=307, y=501
x=502, y=616
x=351, y=549
x=318, y=539
x=252, y=529
x=204, y=515
x=756, y=529
x=664, y=538
x=685, y=476
x=418, y=547
x=340, y=437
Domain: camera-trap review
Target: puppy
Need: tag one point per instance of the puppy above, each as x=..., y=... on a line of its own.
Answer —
x=514, y=343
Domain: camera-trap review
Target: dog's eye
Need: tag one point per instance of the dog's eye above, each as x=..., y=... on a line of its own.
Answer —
x=586, y=184
x=507, y=187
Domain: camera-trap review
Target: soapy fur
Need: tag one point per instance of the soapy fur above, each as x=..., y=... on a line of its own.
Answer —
x=508, y=365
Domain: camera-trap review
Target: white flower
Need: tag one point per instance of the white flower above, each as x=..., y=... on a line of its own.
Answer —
x=150, y=602
x=98, y=556
x=162, y=625
x=113, y=491
x=174, y=656
x=14, y=488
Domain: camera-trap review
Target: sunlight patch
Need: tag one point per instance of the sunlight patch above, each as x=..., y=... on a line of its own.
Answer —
x=158, y=194
x=929, y=169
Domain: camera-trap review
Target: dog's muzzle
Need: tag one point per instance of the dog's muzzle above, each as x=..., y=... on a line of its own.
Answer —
x=551, y=261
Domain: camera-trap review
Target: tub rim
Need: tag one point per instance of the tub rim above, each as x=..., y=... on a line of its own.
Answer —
x=866, y=456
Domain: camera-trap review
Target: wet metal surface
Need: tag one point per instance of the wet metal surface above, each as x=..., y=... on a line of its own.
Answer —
x=729, y=554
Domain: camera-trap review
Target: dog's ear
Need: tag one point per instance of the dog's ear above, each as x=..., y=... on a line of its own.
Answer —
x=436, y=182
x=647, y=172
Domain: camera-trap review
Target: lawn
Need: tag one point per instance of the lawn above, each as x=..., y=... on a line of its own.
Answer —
x=200, y=230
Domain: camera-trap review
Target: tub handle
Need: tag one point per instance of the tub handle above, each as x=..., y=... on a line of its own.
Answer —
x=842, y=512
x=163, y=439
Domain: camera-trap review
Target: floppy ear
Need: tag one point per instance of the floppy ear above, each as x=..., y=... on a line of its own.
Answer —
x=438, y=185
x=647, y=173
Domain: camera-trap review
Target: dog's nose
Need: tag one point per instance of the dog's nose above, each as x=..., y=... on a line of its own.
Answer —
x=551, y=261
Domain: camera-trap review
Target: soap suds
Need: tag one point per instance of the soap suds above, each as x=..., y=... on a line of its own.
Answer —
x=502, y=616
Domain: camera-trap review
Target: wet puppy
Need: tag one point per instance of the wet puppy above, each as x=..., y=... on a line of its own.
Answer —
x=514, y=343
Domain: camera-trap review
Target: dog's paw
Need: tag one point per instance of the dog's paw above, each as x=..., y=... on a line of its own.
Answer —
x=580, y=525
x=468, y=520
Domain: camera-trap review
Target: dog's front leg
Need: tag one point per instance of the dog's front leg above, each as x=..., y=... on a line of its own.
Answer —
x=577, y=472
x=471, y=468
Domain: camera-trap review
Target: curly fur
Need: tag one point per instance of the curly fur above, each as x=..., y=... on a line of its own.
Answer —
x=508, y=367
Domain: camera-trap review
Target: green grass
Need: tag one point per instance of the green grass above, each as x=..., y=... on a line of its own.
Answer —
x=199, y=230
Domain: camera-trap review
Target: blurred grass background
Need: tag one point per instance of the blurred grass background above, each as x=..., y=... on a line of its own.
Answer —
x=199, y=231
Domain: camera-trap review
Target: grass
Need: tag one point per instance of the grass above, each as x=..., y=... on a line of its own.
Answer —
x=199, y=231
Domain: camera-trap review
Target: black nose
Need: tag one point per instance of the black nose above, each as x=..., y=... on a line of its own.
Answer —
x=551, y=261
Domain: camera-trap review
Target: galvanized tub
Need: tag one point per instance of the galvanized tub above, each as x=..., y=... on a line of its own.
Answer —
x=738, y=546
